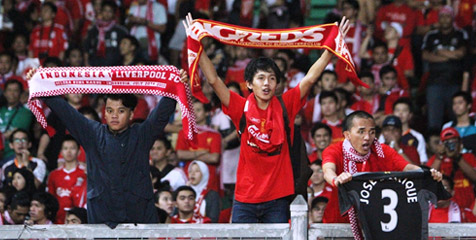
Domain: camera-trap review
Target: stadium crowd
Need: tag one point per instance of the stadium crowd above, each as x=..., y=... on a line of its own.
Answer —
x=418, y=57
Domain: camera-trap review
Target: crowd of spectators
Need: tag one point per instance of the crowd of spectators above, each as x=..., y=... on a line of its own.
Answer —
x=418, y=57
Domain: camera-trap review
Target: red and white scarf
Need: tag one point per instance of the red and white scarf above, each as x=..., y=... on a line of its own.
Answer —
x=153, y=50
x=325, y=36
x=103, y=28
x=264, y=136
x=156, y=80
x=351, y=156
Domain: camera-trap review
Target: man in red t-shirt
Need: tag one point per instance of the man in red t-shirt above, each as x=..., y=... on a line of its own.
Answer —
x=207, y=148
x=359, y=152
x=264, y=175
x=184, y=198
x=460, y=167
x=330, y=115
x=48, y=39
x=62, y=180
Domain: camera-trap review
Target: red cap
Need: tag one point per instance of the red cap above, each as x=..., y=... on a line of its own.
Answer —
x=449, y=133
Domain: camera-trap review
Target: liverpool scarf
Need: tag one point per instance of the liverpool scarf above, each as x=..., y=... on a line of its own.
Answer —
x=157, y=80
x=325, y=36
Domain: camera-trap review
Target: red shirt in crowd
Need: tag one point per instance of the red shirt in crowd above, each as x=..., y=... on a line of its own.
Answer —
x=402, y=62
x=334, y=154
x=450, y=214
x=50, y=40
x=207, y=139
x=464, y=189
x=363, y=105
x=60, y=185
x=262, y=178
x=336, y=128
x=195, y=219
x=402, y=14
x=467, y=214
x=428, y=18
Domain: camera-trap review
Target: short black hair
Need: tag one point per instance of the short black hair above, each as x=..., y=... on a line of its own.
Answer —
x=347, y=96
x=19, y=130
x=327, y=94
x=317, y=200
x=367, y=74
x=347, y=125
x=68, y=137
x=133, y=41
x=109, y=3
x=89, y=110
x=354, y=3
x=183, y=188
x=264, y=64
x=403, y=100
x=282, y=60
x=51, y=5
x=450, y=181
x=14, y=81
x=206, y=106
x=19, y=199
x=128, y=100
x=235, y=85
x=318, y=126
x=166, y=142
x=327, y=71
x=318, y=162
x=380, y=44
x=465, y=95
x=50, y=202
x=81, y=213
x=54, y=60
x=387, y=69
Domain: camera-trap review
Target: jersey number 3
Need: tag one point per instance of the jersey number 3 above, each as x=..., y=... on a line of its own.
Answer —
x=390, y=210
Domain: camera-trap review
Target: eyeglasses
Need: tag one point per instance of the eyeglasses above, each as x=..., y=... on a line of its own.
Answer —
x=20, y=140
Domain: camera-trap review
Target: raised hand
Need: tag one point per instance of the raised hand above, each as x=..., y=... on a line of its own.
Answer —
x=183, y=76
x=344, y=26
x=187, y=23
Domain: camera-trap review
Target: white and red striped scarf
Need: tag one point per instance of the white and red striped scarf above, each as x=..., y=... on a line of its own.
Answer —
x=326, y=36
x=152, y=48
x=156, y=80
x=351, y=156
x=103, y=28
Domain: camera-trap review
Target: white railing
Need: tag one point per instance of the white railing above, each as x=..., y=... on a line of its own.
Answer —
x=297, y=231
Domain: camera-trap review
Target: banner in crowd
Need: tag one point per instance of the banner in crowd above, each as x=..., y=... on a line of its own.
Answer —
x=155, y=80
x=326, y=36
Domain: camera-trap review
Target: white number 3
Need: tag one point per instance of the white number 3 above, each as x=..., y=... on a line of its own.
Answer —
x=390, y=210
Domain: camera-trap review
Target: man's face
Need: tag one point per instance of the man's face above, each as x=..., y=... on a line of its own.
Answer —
x=317, y=176
x=389, y=80
x=328, y=106
x=200, y=113
x=12, y=93
x=5, y=64
x=328, y=82
x=158, y=151
x=47, y=13
x=70, y=151
x=402, y=111
x=107, y=13
x=391, y=133
x=37, y=211
x=20, y=143
x=263, y=85
x=185, y=201
x=348, y=11
x=434, y=143
x=380, y=55
x=317, y=212
x=126, y=47
x=361, y=135
x=72, y=219
x=321, y=139
x=452, y=147
x=366, y=91
x=75, y=58
x=460, y=107
x=117, y=115
x=18, y=214
x=19, y=44
x=74, y=98
x=445, y=21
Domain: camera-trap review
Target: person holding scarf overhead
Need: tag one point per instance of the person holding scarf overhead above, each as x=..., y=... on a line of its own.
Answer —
x=102, y=42
x=264, y=175
x=207, y=201
x=148, y=19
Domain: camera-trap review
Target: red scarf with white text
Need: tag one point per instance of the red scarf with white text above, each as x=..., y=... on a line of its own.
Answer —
x=325, y=36
x=264, y=135
x=156, y=80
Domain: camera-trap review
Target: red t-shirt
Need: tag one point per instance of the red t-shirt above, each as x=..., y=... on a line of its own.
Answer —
x=403, y=62
x=402, y=14
x=262, y=178
x=464, y=193
x=60, y=185
x=79, y=196
x=336, y=128
x=411, y=153
x=207, y=139
x=369, y=107
x=326, y=192
x=467, y=214
x=442, y=215
x=52, y=41
x=194, y=219
x=333, y=154
x=427, y=19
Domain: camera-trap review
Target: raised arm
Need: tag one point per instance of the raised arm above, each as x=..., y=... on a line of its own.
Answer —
x=321, y=63
x=209, y=70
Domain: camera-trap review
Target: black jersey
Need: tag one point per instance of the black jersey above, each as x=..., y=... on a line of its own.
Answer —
x=392, y=205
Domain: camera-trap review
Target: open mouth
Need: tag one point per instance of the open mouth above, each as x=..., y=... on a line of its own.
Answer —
x=266, y=91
